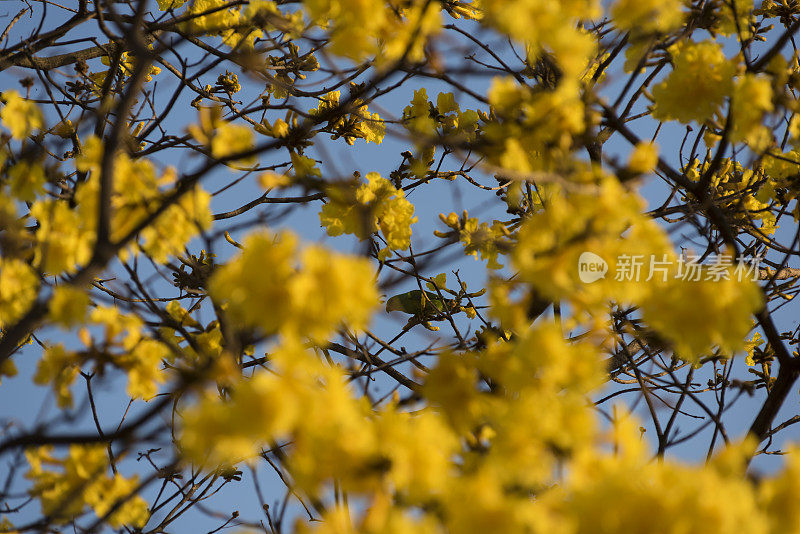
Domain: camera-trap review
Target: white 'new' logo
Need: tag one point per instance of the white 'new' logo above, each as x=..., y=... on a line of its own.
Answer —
x=591, y=267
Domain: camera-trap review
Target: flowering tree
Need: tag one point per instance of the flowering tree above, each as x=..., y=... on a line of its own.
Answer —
x=564, y=356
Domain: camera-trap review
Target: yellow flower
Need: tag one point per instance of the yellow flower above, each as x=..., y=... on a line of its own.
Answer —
x=416, y=116
x=280, y=128
x=19, y=115
x=26, y=180
x=419, y=449
x=127, y=65
x=304, y=166
x=697, y=316
x=782, y=165
x=666, y=497
x=6, y=526
x=232, y=139
x=406, y=37
x=163, y=5
x=272, y=180
x=143, y=366
x=119, y=328
x=170, y=232
x=19, y=286
x=735, y=17
x=216, y=21
x=608, y=222
x=107, y=492
x=68, y=305
x=360, y=124
x=8, y=368
x=451, y=387
x=368, y=207
x=81, y=479
x=643, y=159
x=261, y=408
x=253, y=298
x=330, y=289
x=532, y=130
x=180, y=315
x=354, y=24
x=480, y=238
x=776, y=495
x=697, y=86
x=58, y=369
x=751, y=100
x=646, y=16
x=548, y=26
x=309, y=294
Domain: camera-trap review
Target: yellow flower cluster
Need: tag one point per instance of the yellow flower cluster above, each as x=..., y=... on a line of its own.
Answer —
x=123, y=347
x=127, y=65
x=26, y=180
x=333, y=433
x=208, y=341
x=58, y=369
x=775, y=496
x=8, y=368
x=735, y=17
x=454, y=125
x=643, y=158
x=697, y=86
x=548, y=26
x=7, y=526
x=779, y=166
x=66, y=486
x=750, y=101
x=465, y=463
x=66, y=235
x=408, y=28
x=173, y=229
x=647, y=16
x=742, y=191
x=471, y=466
x=354, y=24
x=532, y=130
x=20, y=285
x=667, y=496
x=19, y=115
x=698, y=315
x=232, y=139
x=389, y=30
x=16, y=237
x=140, y=357
x=360, y=124
x=164, y=5
x=68, y=306
x=303, y=294
x=237, y=26
x=223, y=138
x=551, y=242
x=701, y=80
x=364, y=209
x=489, y=487
x=478, y=237
x=694, y=316
x=417, y=115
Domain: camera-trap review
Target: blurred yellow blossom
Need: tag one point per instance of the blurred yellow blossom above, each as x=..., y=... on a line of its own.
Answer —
x=20, y=115
x=697, y=86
